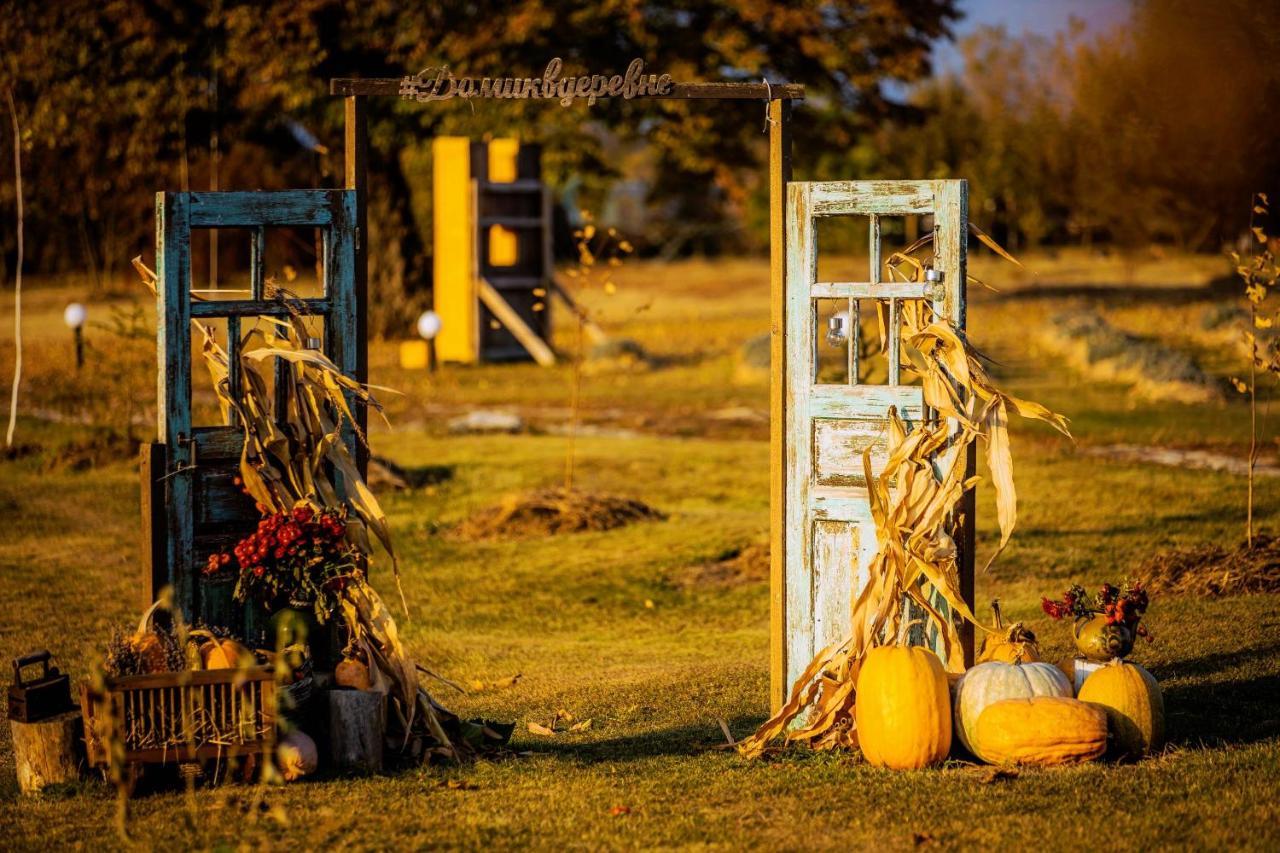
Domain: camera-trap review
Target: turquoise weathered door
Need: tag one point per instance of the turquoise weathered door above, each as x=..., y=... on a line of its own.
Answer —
x=192, y=507
x=829, y=534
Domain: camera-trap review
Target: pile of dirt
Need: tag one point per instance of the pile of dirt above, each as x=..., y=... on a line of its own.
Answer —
x=1210, y=570
x=550, y=511
x=749, y=564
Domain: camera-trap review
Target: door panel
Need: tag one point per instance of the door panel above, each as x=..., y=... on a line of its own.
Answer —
x=830, y=537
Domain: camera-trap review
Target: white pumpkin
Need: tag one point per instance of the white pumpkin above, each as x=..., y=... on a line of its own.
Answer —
x=993, y=681
x=296, y=755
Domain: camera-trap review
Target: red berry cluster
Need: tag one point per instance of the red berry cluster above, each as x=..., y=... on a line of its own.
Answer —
x=301, y=554
x=1121, y=605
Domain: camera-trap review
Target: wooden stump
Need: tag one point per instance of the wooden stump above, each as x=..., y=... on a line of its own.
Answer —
x=47, y=752
x=357, y=727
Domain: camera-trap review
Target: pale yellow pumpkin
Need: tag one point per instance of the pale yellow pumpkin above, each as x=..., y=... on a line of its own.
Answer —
x=1043, y=731
x=993, y=681
x=224, y=654
x=1133, y=703
x=902, y=709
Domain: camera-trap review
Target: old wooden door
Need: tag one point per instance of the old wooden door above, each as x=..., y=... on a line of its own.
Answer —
x=192, y=507
x=829, y=422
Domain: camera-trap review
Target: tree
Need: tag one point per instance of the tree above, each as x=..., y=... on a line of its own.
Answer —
x=113, y=124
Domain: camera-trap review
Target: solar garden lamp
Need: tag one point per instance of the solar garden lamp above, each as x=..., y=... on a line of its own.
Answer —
x=74, y=316
x=417, y=355
x=837, y=329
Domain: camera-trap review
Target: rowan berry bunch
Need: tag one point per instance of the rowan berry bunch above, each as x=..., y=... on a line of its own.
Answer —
x=1123, y=605
x=302, y=557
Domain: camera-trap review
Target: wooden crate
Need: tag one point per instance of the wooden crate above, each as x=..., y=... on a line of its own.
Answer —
x=181, y=716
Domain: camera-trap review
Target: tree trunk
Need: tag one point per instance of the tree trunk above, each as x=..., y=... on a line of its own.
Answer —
x=47, y=752
x=357, y=729
x=398, y=281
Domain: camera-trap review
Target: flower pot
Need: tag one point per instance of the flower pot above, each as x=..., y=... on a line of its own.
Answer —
x=1099, y=640
x=297, y=624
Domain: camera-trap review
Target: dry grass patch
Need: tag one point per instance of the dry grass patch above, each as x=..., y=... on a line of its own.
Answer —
x=547, y=512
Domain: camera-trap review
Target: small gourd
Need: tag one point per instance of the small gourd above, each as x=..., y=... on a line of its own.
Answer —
x=1133, y=704
x=994, y=681
x=902, y=709
x=1043, y=731
x=224, y=654
x=352, y=673
x=1014, y=644
x=296, y=755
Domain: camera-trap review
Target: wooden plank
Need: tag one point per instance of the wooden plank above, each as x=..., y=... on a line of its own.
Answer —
x=154, y=567
x=952, y=205
x=217, y=443
x=214, y=308
x=835, y=560
x=838, y=446
x=250, y=209
x=801, y=269
x=341, y=332
x=871, y=290
x=349, y=86
x=885, y=198
x=453, y=271
x=515, y=324
x=173, y=346
x=779, y=176
x=861, y=401
x=356, y=164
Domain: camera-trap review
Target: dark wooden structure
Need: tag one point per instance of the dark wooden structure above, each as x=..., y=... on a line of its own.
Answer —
x=191, y=505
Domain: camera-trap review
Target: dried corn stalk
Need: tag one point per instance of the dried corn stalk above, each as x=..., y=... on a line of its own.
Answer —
x=298, y=455
x=914, y=504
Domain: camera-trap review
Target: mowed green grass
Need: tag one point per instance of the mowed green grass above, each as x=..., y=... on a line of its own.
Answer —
x=600, y=625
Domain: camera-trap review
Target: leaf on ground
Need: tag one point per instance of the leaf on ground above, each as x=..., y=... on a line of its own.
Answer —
x=580, y=727
x=459, y=785
x=562, y=716
x=539, y=729
x=620, y=810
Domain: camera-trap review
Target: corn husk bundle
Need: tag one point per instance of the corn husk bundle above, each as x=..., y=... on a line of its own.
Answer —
x=288, y=455
x=914, y=504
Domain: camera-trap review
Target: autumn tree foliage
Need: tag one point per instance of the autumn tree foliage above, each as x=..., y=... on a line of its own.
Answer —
x=121, y=98
x=1158, y=132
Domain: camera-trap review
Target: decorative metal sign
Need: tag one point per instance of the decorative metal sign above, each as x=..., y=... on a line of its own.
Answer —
x=439, y=84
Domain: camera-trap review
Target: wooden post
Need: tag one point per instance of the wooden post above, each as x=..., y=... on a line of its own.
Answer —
x=48, y=752
x=356, y=153
x=357, y=729
x=779, y=175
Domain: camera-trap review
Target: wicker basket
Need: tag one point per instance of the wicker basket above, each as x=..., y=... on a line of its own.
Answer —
x=181, y=716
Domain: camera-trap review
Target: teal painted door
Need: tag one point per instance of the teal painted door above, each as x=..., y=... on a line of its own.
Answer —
x=837, y=404
x=199, y=509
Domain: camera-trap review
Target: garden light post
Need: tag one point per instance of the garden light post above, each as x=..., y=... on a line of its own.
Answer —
x=429, y=325
x=74, y=316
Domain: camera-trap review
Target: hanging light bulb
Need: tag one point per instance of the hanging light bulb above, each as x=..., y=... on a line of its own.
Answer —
x=837, y=329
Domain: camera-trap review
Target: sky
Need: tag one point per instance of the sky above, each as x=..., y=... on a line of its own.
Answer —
x=1044, y=17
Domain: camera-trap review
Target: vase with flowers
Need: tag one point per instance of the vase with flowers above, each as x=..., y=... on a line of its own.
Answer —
x=296, y=565
x=1106, y=624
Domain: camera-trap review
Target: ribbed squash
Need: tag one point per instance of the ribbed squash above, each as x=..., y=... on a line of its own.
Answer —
x=902, y=709
x=1133, y=703
x=1012, y=644
x=993, y=681
x=1044, y=731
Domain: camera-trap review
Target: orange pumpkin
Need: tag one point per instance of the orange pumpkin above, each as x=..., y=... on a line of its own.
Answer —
x=1014, y=644
x=224, y=654
x=902, y=708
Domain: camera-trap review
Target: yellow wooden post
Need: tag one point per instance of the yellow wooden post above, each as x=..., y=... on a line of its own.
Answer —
x=454, y=259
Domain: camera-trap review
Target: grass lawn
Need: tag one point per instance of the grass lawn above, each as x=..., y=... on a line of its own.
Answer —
x=607, y=625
